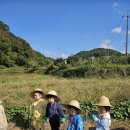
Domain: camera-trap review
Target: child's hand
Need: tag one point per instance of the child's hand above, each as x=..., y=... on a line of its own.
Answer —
x=44, y=118
x=93, y=117
x=62, y=120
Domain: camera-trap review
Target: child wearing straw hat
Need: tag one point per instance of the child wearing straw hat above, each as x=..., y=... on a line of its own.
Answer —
x=75, y=120
x=54, y=111
x=3, y=120
x=102, y=120
x=38, y=109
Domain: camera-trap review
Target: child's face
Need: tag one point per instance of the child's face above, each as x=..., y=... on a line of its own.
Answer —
x=37, y=96
x=51, y=99
x=72, y=111
x=102, y=110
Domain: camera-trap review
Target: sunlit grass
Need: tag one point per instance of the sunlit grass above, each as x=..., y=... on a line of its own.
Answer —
x=15, y=88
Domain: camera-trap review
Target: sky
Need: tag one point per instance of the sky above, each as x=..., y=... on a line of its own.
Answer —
x=59, y=28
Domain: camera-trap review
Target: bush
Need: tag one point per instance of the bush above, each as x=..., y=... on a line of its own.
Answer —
x=103, y=71
x=5, y=60
x=120, y=110
x=21, y=61
x=18, y=115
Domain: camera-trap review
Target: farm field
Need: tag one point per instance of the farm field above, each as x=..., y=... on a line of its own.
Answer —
x=116, y=125
x=15, y=88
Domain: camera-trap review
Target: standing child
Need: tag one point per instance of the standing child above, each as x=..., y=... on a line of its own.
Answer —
x=54, y=110
x=102, y=120
x=3, y=121
x=38, y=108
x=75, y=120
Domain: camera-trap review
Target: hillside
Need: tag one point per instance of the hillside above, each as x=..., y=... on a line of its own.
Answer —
x=15, y=51
x=97, y=53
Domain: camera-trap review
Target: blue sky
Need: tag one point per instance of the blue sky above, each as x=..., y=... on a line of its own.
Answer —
x=58, y=28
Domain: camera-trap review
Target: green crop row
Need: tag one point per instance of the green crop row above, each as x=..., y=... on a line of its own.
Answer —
x=20, y=115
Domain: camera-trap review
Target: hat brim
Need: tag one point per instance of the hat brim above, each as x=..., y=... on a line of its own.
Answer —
x=58, y=98
x=32, y=93
x=67, y=106
x=103, y=105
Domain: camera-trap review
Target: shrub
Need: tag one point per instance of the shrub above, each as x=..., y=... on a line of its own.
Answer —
x=103, y=71
x=18, y=115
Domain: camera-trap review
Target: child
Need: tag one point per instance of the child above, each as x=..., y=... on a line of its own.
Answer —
x=75, y=120
x=3, y=121
x=38, y=108
x=102, y=120
x=54, y=111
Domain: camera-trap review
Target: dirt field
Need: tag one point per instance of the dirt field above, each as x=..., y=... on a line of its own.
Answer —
x=116, y=125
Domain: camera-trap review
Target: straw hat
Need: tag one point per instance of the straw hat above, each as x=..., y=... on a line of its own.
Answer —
x=53, y=93
x=103, y=101
x=37, y=90
x=73, y=103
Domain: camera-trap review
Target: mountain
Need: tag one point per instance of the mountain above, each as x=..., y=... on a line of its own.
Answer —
x=15, y=51
x=97, y=53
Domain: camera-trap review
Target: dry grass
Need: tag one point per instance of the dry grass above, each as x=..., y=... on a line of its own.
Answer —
x=15, y=88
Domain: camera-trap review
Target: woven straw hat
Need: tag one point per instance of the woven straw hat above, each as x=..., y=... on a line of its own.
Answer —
x=39, y=91
x=53, y=93
x=103, y=101
x=73, y=103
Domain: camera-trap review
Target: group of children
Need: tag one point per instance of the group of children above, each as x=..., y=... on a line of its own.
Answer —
x=41, y=110
x=52, y=110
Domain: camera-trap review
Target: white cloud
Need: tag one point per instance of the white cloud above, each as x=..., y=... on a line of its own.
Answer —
x=64, y=56
x=55, y=55
x=117, y=30
x=106, y=44
x=129, y=32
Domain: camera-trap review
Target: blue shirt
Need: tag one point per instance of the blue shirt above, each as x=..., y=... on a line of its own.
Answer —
x=54, y=111
x=103, y=122
x=75, y=123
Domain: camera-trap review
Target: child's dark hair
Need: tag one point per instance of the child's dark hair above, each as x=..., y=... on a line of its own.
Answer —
x=107, y=108
x=77, y=110
x=52, y=96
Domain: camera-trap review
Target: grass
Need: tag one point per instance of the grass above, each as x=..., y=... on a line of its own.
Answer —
x=15, y=87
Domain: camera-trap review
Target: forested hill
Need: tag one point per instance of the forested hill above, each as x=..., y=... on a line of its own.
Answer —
x=97, y=53
x=15, y=51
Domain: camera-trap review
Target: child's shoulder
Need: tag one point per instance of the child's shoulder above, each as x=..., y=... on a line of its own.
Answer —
x=57, y=104
x=106, y=116
x=78, y=117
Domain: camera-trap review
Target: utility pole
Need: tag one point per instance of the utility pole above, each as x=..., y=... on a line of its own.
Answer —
x=126, y=50
x=108, y=44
